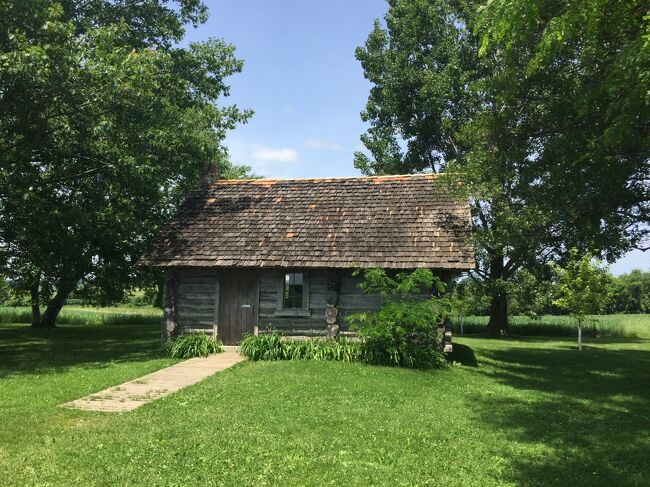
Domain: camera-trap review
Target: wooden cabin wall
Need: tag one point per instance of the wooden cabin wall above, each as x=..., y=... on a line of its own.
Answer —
x=197, y=300
x=198, y=294
x=311, y=319
x=351, y=299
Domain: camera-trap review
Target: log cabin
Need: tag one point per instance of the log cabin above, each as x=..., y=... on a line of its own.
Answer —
x=244, y=255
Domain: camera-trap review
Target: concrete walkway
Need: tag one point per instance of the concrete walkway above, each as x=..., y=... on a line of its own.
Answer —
x=135, y=393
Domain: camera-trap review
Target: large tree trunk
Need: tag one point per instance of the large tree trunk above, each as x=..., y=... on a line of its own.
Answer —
x=56, y=303
x=35, y=301
x=498, y=324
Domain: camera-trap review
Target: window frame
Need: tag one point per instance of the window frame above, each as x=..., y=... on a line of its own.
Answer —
x=280, y=309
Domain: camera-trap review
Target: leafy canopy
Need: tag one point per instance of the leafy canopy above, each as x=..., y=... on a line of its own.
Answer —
x=540, y=108
x=106, y=126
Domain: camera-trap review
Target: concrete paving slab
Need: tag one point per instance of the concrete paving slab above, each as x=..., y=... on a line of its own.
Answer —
x=133, y=394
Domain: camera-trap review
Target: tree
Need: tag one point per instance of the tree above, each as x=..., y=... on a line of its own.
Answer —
x=404, y=331
x=575, y=74
x=583, y=287
x=106, y=126
x=482, y=92
x=632, y=293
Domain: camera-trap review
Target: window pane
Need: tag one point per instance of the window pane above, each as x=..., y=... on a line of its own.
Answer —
x=292, y=292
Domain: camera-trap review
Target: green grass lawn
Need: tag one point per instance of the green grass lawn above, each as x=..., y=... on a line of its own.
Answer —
x=517, y=412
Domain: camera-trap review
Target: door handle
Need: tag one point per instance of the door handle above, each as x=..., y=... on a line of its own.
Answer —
x=246, y=306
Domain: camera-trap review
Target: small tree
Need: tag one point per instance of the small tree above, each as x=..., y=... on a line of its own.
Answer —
x=584, y=287
x=404, y=331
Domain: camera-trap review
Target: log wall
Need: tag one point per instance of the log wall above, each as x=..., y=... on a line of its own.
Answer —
x=198, y=300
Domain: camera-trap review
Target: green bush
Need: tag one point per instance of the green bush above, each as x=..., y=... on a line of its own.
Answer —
x=401, y=334
x=271, y=346
x=404, y=332
x=196, y=344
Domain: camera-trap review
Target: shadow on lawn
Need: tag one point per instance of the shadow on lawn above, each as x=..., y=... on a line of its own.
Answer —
x=589, y=422
x=27, y=350
x=463, y=355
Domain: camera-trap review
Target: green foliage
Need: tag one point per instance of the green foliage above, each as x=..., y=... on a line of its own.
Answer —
x=5, y=292
x=631, y=293
x=271, y=346
x=404, y=331
x=539, y=108
x=196, y=344
x=419, y=64
x=107, y=124
x=265, y=346
x=470, y=298
x=572, y=80
x=529, y=295
x=583, y=287
x=404, y=284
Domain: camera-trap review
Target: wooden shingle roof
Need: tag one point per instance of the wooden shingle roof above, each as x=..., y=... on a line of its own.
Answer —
x=396, y=222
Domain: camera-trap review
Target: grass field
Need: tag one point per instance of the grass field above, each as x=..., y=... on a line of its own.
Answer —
x=632, y=326
x=78, y=315
x=516, y=412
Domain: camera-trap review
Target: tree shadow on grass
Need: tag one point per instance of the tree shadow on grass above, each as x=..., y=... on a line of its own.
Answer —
x=462, y=354
x=25, y=350
x=588, y=422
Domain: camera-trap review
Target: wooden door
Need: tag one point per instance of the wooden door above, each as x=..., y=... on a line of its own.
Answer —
x=237, y=303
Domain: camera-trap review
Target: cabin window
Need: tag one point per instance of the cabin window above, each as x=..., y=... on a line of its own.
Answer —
x=292, y=291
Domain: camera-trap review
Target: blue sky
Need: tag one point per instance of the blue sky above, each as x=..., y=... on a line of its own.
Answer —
x=305, y=86
x=301, y=79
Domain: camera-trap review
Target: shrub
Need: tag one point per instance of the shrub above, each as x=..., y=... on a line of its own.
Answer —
x=266, y=346
x=400, y=334
x=271, y=346
x=404, y=331
x=194, y=344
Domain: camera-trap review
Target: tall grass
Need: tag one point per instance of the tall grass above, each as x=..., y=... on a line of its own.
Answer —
x=623, y=326
x=196, y=344
x=271, y=346
x=87, y=316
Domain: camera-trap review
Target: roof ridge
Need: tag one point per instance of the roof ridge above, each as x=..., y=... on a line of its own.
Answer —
x=330, y=178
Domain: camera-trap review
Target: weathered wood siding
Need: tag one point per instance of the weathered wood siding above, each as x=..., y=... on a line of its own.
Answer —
x=197, y=300
x=237, y=308
x=351, y=299
x=313, y=317
x=202, y=296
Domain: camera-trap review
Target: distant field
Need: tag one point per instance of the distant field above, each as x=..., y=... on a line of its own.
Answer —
x=79, y=315
x=633, y=326
x=621, y=326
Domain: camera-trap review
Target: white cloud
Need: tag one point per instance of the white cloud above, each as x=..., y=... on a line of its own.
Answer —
x=273, y=162
x=283, y=154
x=323, y=144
